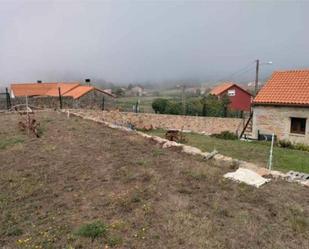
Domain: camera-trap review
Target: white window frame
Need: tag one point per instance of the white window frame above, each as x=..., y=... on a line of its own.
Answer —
x=231, y=92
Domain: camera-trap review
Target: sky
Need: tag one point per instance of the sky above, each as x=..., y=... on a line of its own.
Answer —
x=150, y=41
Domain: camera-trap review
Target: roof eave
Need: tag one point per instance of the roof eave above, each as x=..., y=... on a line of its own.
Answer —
x=280, y=104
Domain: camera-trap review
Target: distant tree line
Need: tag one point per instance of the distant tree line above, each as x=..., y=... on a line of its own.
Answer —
x=208, y=105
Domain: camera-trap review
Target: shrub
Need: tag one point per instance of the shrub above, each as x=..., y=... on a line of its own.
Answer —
x=225, y=135
x=285, y=144
x=302, y=147
x=92, y=230
x=290, y=145
x=159, y=105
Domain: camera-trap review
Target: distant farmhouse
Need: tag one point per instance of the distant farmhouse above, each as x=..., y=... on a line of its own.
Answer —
x=46, y=94
x=136, y=91
x=240, y=99
x=282, y=107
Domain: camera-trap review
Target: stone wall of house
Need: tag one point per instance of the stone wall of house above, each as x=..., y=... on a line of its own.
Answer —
x=277, y=120
x=208, y=125
x=94, y=100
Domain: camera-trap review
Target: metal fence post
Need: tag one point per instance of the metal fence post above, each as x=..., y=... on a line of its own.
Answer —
x=103, y=103
x=60, y=98
x=8, y=99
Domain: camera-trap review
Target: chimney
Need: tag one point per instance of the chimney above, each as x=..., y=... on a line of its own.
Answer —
x=87, y=81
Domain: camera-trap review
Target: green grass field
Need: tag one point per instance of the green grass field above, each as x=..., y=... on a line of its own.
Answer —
x=255, y=152
x=126, y=103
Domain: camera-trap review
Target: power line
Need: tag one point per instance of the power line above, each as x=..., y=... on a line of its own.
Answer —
x=243, y=70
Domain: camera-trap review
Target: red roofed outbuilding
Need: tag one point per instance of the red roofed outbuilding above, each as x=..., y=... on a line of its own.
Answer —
x=240, y=99
x=46, y=94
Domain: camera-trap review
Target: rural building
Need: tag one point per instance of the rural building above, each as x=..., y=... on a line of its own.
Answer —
x=240, y=99
x=137, y=91
x=47, y=94
x=282, y=107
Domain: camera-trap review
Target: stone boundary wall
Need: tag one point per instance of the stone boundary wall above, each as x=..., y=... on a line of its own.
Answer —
x=207, y=125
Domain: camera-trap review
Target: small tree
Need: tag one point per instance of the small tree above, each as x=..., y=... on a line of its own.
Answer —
x=159, y=105
x=174, y=107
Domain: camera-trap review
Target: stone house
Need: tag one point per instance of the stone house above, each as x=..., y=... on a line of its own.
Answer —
x=282, y=107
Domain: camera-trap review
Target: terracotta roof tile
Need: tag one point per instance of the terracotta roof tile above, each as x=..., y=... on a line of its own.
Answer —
x=79, y=91
x=217, y=90
x=74, y=90
x=285, y=88
x=41, y=89
x=64, y=88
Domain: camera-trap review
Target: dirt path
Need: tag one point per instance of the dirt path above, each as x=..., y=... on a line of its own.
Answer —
x=81, y=171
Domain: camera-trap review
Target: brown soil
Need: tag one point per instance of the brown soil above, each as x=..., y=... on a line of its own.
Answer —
x=81, y=171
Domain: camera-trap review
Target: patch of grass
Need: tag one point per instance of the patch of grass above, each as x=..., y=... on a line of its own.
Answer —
x=142, y=162
x=114, y=240
x=14, y=231
x=196, y=174
x=8, y=142
x=157, y=152
x=256, y=152
x=298, y=219
x=92, y=230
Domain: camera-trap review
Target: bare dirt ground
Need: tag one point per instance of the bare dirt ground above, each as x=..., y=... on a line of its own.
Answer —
x=80, y=171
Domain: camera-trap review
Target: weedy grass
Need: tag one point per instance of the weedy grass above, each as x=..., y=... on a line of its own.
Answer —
x=8, y=142
x=92, y=230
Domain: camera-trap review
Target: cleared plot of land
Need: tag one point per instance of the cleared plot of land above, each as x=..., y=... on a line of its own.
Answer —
x=82, y=185
x=256, y=152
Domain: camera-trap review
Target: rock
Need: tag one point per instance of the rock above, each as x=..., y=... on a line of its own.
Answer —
x=247, y=176
x=191, y=150
x=169, y=144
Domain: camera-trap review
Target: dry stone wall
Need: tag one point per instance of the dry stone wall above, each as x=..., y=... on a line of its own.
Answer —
x=207, y=125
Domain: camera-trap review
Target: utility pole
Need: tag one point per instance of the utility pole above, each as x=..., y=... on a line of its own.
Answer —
x=256, y=85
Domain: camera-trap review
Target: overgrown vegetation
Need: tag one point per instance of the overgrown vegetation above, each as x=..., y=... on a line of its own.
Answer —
x=208, y=105
x=225, y=135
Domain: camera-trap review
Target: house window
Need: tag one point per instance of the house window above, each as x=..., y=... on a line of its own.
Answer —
x=298, y=125
x=231, y=92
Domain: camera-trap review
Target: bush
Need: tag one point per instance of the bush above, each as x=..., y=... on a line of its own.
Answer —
x=159, y=105
x=285, y=144
x=174, y=107
x=92, y=230
x=225, y=135
x=289, y=145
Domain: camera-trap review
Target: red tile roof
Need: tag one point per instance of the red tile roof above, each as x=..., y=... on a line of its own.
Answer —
x=285, y=88
x=80, y=91
x=64, y=88
x=41, y=89
x=217, y=90
x=74, y=90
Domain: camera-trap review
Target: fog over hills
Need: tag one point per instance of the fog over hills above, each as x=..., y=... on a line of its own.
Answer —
x=158, y=42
